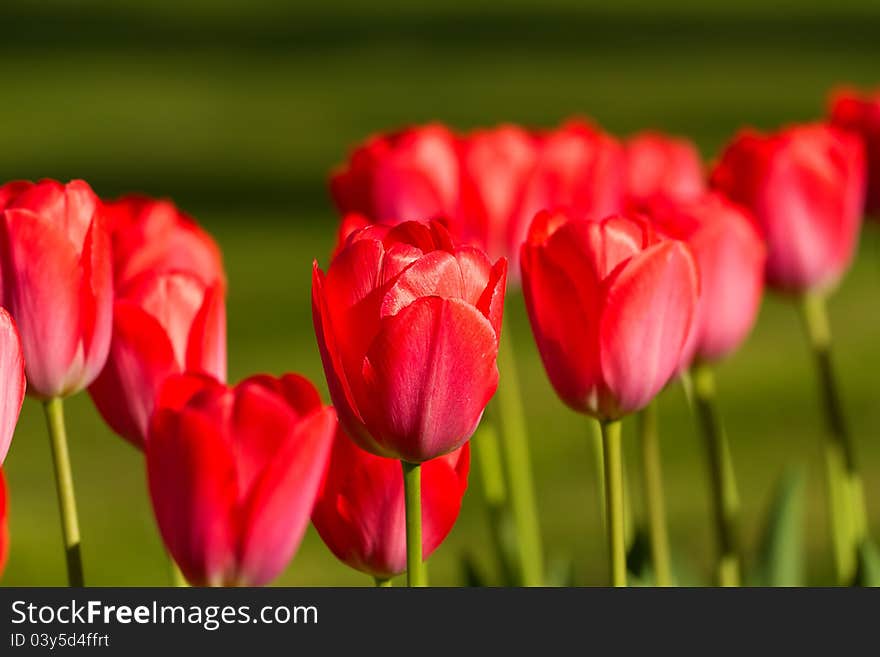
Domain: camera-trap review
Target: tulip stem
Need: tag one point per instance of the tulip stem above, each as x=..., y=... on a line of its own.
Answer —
x=655, y=502
x=725, y=496
x=846, y=499
x=599, y=463
x=515, y=453
x=614, y=513
x=382, y=582
x=412, y=488
x=54, y=410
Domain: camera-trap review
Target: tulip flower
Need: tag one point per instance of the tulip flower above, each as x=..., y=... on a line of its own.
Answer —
x=56, y=268
x=4, y=528
x=731, y=255
x=169, y=311
x=410, y=174
x=860, y=114
x=659, y=166
x=497, y=166
x=359, y=512
x=12, y=375
x=408, y=326
x=805, y=186
x=611, y=305
x=233, y=473
x=57, y=282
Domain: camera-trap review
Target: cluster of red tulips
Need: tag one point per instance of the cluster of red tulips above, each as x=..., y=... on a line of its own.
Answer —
x=637, y=269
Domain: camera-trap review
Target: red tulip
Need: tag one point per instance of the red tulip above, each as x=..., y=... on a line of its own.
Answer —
x=580, y=169
x=411, y=174
x=408, y=328
x=496, y=167
x=4, y=527
x=860, y=114
x=360, y=509
x=659, y=166
x=57, y=282
x=12, y=375
x=611, y=304
x=234, y=471
x=805, y=185
x=730, y=253
x=169, y=312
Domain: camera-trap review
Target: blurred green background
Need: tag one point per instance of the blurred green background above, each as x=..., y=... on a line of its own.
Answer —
x=237, y=110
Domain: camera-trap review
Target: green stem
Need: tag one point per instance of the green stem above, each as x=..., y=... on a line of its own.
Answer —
x=515, y=453
x=846, y=502
x=725, y=496
x=54, y=410
x=383, y=582
x=412, y=488
x=655, y=502
x=485, y=447
x=599, y=462
x=614, y=513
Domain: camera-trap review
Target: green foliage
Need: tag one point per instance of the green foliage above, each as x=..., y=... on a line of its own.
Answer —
x=780, y=558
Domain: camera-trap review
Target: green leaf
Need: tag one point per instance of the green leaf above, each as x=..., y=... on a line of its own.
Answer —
x=781, y=548
x=869, y=564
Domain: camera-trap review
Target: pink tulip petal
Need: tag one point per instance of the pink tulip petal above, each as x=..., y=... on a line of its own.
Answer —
x=431, y=370
x=206, y=351
x=12, y=376
x=41, y=271
x=337, y=381
x=647, y=316
x=193, y=486
x=281, y=502
x=141, y=359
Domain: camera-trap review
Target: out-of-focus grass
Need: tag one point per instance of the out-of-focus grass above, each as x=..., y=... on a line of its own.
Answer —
x=238, y=111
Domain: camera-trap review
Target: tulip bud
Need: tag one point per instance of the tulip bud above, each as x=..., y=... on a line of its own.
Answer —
x=659, y=166
x=408, y=327
x=805, y=187
x=611, y=304
x=233, y=473
x=359, y=512
x=169, y=310
x=860, y=114
x=57, y=282
x=12, y=375
x=730, y=254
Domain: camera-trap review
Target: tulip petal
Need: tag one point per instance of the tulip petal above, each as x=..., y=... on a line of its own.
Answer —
x=194, y=490
x=337, y=381
x=141, y=359
x=42, y=277
x=427, y=377
x=436, y=273
x=261, y=422
x=96, y=298
x=647, y=316
x=281, y=502
x=567, y=341
x=12, y=376
x=206, y=351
